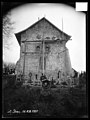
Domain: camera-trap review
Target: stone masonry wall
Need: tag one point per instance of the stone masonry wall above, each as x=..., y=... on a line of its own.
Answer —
x=55, y=59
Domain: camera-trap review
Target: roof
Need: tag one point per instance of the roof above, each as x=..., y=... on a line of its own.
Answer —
x=18, y=35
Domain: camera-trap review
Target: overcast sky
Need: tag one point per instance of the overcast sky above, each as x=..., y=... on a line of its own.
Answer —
x=74, y=24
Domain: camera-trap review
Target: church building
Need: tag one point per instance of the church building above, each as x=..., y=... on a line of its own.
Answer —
x=43, y=50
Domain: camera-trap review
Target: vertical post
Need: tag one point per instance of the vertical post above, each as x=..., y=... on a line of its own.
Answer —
x=43, y=50
x=62, y=24
x=24, y=59
x=65, y=65
x=43, y=57
x=62, y=27
x=38, y=18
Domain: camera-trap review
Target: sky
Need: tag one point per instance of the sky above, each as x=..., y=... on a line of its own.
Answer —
x=74, y=24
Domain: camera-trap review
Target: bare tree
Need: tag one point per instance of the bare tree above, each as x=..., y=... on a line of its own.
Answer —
x=7, y=30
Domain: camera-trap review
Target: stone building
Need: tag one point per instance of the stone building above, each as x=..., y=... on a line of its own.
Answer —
x=43, y=50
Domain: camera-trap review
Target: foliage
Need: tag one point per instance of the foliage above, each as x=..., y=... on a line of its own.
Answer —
x=82, y=79
x=8, y=68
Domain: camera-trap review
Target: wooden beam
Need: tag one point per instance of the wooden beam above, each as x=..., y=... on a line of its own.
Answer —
x=46, y=40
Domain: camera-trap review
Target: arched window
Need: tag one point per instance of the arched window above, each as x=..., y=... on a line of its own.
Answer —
x=38, y=48
x=47, y=48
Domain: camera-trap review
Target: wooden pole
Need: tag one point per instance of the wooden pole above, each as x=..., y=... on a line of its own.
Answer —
x=43, y=50
x=24, y=59
x=62, y=24
x=62, y=28
x=43, y=57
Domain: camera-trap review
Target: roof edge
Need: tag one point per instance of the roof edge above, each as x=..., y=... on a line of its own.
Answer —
x=49, y=22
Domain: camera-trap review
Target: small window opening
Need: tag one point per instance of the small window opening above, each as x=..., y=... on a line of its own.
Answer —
x=36, y=76
x=38, y=48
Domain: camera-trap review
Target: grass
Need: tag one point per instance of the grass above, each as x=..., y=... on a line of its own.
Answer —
x=61, y=102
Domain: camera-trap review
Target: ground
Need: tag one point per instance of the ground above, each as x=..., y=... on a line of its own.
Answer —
x=61, y=102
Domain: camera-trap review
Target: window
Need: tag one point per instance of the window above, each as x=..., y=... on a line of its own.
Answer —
x=37, y=48
x=47, y=48
x=36, y=76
